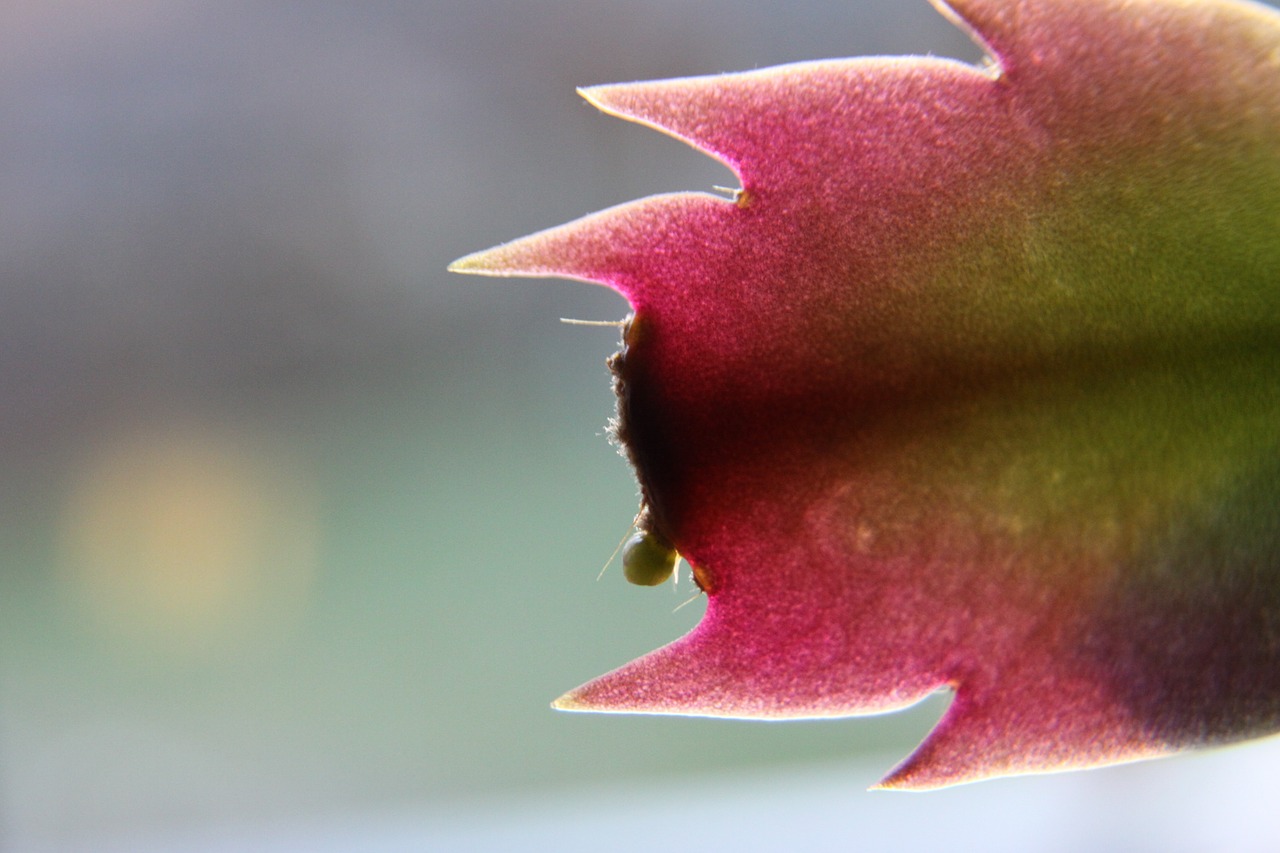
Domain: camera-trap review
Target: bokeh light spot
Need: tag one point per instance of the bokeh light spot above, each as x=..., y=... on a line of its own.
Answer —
x=188, y=536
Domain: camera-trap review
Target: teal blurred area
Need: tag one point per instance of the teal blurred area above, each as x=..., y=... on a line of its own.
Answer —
x=299, y=530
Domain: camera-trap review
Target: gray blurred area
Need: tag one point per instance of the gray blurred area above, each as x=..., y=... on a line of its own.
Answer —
x=296, y=525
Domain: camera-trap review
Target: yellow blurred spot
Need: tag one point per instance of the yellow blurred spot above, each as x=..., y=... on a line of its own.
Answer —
x=183, y=535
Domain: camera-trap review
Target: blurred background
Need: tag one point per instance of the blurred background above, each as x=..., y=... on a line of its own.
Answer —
x=300, y=533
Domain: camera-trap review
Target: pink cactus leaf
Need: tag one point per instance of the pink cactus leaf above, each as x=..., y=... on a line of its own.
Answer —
x=976, y=384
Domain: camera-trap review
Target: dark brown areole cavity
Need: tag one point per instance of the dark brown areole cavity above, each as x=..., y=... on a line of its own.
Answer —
x=650, y=519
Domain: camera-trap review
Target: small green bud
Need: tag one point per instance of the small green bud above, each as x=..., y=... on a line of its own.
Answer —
x=646, y=561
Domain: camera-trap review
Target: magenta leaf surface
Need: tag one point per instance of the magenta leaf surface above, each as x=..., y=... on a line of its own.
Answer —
x=975, y=385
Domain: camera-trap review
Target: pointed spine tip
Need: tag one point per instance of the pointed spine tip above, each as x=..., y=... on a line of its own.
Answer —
x=476, y=263
x=606, y=98
x=517, y=258
x=891, y=783
x=906, y=780
x=569, y=702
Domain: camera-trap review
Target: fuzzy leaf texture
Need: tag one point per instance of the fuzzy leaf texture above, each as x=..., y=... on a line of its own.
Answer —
x=975, y=385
